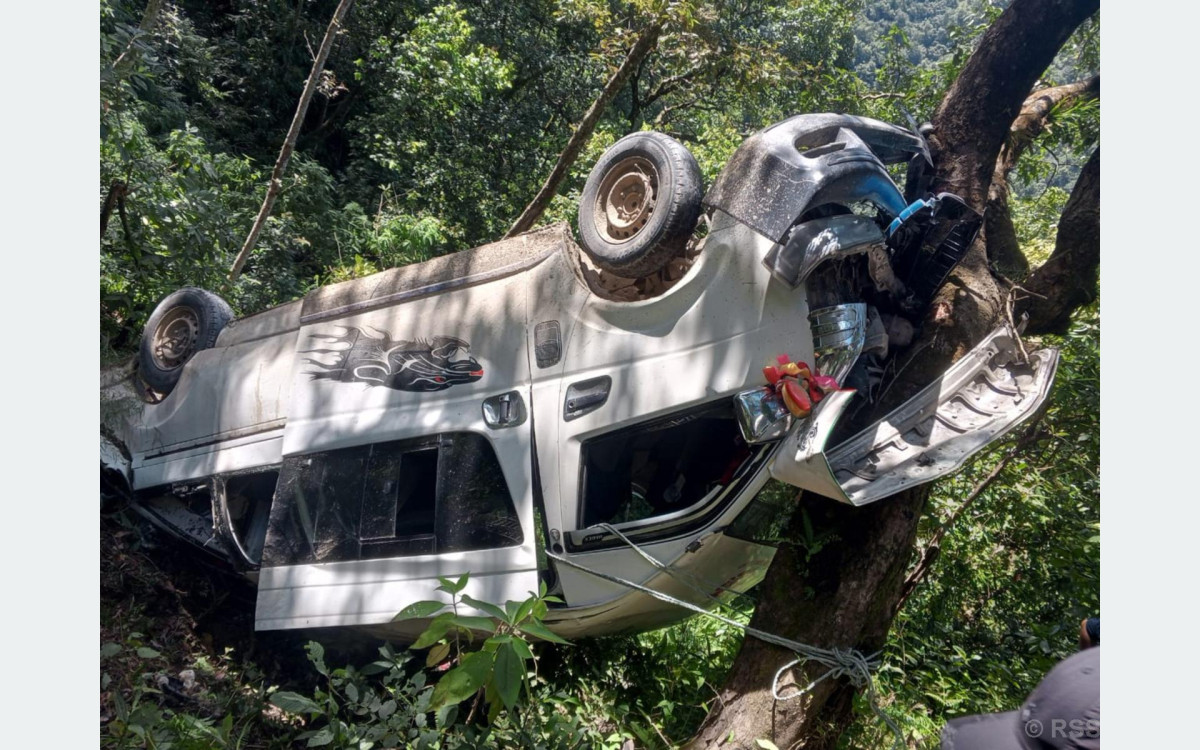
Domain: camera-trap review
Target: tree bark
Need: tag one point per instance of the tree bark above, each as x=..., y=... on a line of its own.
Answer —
x=116, y=192
x=844, y=595
x=645, y=44
x=132, y=50
x=289, y=142
x=1002, y=247
x=1068, y=279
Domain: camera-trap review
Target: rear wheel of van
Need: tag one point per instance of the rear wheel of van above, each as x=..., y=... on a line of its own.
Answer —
x=640, y=204
x=185, y=322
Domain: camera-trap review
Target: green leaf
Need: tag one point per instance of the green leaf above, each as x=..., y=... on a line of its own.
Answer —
x=387, y=709
x=524, y=610
x=474, y=623
x=446, y=715
x=766, y=744
x=453, y=587
x=435, y=632
x=522, y=648
x=294, y=703
x=509, y=674
x=147, y=653
x=316, y=655
x=541, y=631
x=463, y=681
x=425, y=608
x=437, y=654
x=109, y=649
x=491, y=609
x=321, y=738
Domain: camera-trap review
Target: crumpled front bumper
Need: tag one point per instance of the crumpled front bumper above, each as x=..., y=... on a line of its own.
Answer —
x=978, y=400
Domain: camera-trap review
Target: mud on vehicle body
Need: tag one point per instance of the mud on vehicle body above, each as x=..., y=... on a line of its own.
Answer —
x=471, y=413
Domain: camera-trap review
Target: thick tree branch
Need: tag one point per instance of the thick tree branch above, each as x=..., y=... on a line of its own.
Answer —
x=1068, y=279
x=289, y=143
x=987, y=96
x=1035, y=116
x=1002, y=247
x=969, y=129
x=646, y=42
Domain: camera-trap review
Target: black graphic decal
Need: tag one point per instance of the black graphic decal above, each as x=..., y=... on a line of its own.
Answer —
x=418, y=365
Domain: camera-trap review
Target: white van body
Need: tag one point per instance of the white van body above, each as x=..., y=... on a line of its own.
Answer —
x=475, y=412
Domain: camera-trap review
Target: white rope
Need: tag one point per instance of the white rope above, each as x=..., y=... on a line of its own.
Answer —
x=848, y=663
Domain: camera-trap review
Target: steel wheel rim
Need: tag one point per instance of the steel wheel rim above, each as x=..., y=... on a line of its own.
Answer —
x=175, y=338
x=626, y=198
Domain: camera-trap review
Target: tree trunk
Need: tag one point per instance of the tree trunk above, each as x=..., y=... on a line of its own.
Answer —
x=844, y=595
x=289, y=143
x=644, y=45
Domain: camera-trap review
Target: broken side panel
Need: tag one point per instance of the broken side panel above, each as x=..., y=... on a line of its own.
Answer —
x=977, y=401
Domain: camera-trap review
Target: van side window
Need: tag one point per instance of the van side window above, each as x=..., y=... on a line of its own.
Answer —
x=409, y=497
x=661, y=466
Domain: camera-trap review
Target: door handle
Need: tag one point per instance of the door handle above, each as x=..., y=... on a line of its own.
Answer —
x=505, y=410
x=586, y=396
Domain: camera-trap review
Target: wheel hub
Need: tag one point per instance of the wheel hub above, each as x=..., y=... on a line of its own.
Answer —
x=626, y=198
x=175, y=338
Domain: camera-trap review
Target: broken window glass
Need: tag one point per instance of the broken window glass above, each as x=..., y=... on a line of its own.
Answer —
x=407, y=497
x=661, y=466
x=475, y=509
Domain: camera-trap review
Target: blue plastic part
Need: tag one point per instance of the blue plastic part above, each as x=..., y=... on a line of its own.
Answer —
x=912, y=209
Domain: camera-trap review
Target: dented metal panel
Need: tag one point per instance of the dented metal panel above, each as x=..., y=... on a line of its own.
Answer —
x=814, y=242
x=984, y=395
x=779, y=173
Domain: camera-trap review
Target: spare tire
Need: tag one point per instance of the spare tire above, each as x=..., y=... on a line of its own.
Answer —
x=640, y=204
x=185, y=322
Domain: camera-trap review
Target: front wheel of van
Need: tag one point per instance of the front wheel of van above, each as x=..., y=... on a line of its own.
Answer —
x=640, y=204
x=185, y=322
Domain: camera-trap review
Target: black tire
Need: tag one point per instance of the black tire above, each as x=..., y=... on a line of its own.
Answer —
x=640, y=204
x=185, y=322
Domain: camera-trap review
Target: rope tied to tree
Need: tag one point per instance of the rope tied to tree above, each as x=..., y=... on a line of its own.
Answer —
x=849, y=663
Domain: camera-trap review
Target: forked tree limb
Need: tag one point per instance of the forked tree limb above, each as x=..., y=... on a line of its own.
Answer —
x=646, y=42
x=289, y=143
x=1068, y=279
x=975, y=117
x=1002, y=247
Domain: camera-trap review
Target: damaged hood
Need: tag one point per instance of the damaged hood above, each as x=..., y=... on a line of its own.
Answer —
x=781, y=172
